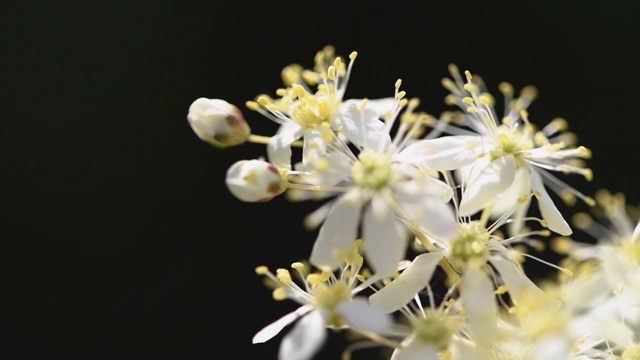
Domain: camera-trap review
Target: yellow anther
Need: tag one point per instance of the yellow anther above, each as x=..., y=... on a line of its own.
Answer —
x=414, y=103
x=283, y=275
x=567, y=271
x=603, y=197
x=264, y=101
x=467, y=100
x=543, y=223
x=584, y=152
x=449, y=303
x=540, y=139
x=561, y=245
x=468, y=75
x=398, y=83
x=298, y=266
x=403, y=103
x=322, y=164
x=262, y=270
x=448, y=84
x=568, y=197
x=314, y=279
x=310, y=77
x=524, y=114
x=450, y=99
x=353, y=55
x=487, y=99
x=582, y=220
x=560, y=124
x=401, y=94
x=545, y=232
x=299, y=91
x=590, y=201
x=472, y=109
x=588, y=174
x=279, y=294
x=529, y=92
x=337, y=62
x=252, y=105
x=360, y=277
x=502, y=289
x=331, y=72
x=281, y=92
x=291, y=74
x=468, y=87
x=505, y=88
x=537, y=193
x=512, y=310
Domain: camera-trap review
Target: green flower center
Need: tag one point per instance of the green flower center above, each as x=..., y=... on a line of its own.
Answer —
x=433, y=329
x=469, y=246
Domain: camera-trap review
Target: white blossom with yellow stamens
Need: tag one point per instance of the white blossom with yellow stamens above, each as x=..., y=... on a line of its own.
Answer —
x=304, y=113
x=513, y=159
x=381, y=188
x=328, y=300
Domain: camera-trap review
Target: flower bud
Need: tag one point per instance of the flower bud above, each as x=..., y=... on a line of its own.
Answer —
x=217, y=122
x=255, y=181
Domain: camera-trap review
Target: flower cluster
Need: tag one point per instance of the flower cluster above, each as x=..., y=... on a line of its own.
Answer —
x=407, y=195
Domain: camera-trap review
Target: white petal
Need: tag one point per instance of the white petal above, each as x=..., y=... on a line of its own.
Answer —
x=412, y=280
x=363, y=128
x=385, y=238
x=636, y=233
x=548, y=209
x=509, y=198
x=431, y=215
x=305, y=339
x=380, y=106
x=275, y=327
x=479, y=305
x=337, y=234
x=279, y=146
x=415, y=350
x=360, y=315
x=445, y=153
x=490, y=182
x=521, y=288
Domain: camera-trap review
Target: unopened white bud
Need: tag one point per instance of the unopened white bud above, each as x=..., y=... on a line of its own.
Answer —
x=255, y=181
x=217, y=122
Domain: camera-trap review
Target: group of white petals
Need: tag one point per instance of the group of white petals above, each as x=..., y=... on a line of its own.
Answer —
x=454, y=191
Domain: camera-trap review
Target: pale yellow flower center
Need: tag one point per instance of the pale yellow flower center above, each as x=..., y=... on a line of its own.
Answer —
x=434, y=329
x=510, y=141
x=373, y=171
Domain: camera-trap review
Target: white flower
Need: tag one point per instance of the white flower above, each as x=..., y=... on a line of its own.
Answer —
x=513, y=160
x=327, y=301
x=304, y=113
x=217, y=122
x=255, y=181
x=382, y=188
x=469, y=253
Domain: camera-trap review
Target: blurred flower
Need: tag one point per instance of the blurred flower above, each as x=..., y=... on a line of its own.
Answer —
x=217, y=122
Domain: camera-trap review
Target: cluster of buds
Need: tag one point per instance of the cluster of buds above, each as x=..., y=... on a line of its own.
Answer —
x=408, y=194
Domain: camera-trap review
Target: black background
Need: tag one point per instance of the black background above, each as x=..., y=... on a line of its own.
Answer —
x=119, y=238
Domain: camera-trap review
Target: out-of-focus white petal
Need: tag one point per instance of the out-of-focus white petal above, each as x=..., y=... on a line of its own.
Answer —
x=490, y=182
x=415, y=350
x=412, y=280
x=305, y=339
x=548, y=209
x=478, y=300
x=636, y=233
x=337, y=234
x=362, y=127
x=380, y=106
x=385, y=238
x=275, y=327
x=521, y=288
x=445, y=153
x=360, y=315
x=279, y=146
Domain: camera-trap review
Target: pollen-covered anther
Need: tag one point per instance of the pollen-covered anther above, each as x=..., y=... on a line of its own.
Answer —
x=506, y=89
x=502, y=289
x=467, y=100
x=529, y=92
x=401, y=95
x=279, y=294
x=562, y=245
x=582, y=221
x=262, y=270
x=467, y=74
x=398, y=83
x=252, y=105
x=283, y=276
x=315, y=278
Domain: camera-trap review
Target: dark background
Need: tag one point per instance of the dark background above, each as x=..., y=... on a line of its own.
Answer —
x=119, y=239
